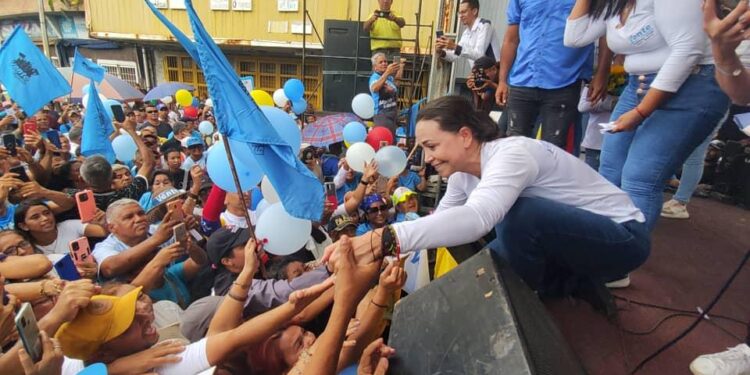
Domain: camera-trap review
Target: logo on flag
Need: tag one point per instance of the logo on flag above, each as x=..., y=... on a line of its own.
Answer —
x=23, y=69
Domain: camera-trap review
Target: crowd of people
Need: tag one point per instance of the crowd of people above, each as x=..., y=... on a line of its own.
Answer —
x=147, y=266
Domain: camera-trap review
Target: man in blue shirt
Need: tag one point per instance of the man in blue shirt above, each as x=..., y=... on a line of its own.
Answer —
x=384, y=91
x=540, y=78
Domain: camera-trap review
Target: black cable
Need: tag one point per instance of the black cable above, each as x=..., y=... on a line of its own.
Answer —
x=657, y=325
x=674, y=309
x=699, y=319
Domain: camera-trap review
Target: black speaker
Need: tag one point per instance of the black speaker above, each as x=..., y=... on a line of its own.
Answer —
x=480, y=318
x=346, y=70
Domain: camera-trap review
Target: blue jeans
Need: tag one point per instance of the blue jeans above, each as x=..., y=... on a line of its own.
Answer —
x=547, y=243
x=592, y=158
x=692, y=172
x=640, y=161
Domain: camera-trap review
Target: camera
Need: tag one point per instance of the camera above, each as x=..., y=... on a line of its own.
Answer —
x=84, y=198
x=383, y=13
x=479, y=77
x=75, y=246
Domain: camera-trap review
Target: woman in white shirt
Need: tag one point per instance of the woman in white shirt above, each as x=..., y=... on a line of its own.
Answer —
x=556, y=219
x=672, y=101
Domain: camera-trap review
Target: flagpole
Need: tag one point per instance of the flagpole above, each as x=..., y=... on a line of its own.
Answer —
x=238, y=186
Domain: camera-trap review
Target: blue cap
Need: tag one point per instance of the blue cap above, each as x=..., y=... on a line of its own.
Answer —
x=194, y=141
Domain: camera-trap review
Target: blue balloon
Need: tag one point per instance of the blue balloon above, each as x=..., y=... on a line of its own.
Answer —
x=248, y=170
x=284, y=125
x=351, y=370
x=299, y=106
x=196, y=102
x=355, y=132
x=206, y=127
x=108, y=107
x=124, y=147
x=294, y=89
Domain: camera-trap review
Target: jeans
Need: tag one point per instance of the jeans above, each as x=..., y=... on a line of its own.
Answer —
x=641, y=161
x=547, y=242
x=692, y=172
x=558, y=109
x=592, y=158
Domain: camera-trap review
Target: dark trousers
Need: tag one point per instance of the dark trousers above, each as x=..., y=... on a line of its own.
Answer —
x=557, y=109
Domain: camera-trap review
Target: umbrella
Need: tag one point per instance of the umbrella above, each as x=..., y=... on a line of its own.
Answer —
x=327, y=130
x=111, y=87
x=166, y=89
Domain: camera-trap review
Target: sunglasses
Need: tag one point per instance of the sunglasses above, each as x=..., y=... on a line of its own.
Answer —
x=378, y=209
x=152, y=111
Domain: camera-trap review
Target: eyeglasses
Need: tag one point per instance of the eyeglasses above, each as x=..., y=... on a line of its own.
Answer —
x=13, y=250
x=152, y=111
x=378, y=209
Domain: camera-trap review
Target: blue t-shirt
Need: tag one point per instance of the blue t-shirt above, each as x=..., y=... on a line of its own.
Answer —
x=411, y=180
x=6, y=221
x=383, y=99
x=174, y=288
x=363, y=228
x=347, y=187
x=542, y=61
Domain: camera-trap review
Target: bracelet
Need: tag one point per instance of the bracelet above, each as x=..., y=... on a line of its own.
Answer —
x=363, y=182
x=638, y=111
x=243, y=286
x=192, y=196
x=733, y=73
x=238, y=299
x=378, y=305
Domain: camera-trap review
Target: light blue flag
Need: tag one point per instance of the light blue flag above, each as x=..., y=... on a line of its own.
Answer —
x=179, y=35
x=97, y=127
x=30, y=78
x=240, y=119
x=87, y=68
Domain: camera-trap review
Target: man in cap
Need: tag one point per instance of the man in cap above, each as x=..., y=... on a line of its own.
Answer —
x=226, y=252
x=195, y=153
x=341, y=225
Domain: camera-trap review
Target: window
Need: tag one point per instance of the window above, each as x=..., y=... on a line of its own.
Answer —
x=124, y=70
x=183, y=69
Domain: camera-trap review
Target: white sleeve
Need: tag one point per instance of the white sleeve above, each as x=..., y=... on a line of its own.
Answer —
x=584, y=105
x=340, y=178
x=450, y=55
x=681, y=24
x=194, y=360
x=454, y=195
x=508, y=173
x=71, y=366
x=583, y=31
x=481, y=42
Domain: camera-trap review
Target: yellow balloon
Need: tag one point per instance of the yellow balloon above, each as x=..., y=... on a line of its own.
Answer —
x=347, y=144
x=261, y=97
x=183, y=97
x=369, y=124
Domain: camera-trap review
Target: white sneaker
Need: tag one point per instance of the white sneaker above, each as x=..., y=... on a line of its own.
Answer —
x=622, y=283
x=673, y=209
x=734, y=361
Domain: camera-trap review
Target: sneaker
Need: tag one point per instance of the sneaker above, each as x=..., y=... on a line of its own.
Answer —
x=621, y=283
x=733, y=361
x=673, y=209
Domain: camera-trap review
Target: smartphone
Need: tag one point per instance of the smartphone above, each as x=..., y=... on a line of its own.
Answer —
x=417, y=160
x=330, y=189
x=54, y=137
x=66, y=268
x=86, y=205
x=28, y=330
x=383, y=13
x=118, y=112
x=9, y=141
x=176, y=207
x=20, y=170
x=439, y=34
x=80, y=250
x=180, y=233
x=29, y=127
x=724, y=7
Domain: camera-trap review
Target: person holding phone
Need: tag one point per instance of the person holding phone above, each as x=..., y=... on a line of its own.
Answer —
x=728, y=36
x=478, y=39
x=384, y=91
x=385, y=27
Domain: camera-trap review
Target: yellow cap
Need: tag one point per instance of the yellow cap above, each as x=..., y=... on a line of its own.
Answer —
x=105, y=318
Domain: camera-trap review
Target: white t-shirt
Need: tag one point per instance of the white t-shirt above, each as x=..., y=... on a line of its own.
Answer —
x=193, y=360
x=67, y=231
x=511, y=168
x=664, y=36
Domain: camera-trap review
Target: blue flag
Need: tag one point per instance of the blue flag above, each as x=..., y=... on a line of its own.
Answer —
x=30, y=78
x=179, y=35
x=97, y=127
x=87, y=68
x=240, y=119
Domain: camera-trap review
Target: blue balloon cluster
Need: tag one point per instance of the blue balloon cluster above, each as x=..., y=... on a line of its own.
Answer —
x=248, y=170
x=355, y=132
x=299, y=106
x=124, y=147
x=294, y=89
x=284, y=125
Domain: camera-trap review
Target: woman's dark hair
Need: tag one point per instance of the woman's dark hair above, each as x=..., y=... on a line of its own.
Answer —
x=607, y=8
x=159, y=172
x=454, y=112
x=62, y=176
x=23, y=208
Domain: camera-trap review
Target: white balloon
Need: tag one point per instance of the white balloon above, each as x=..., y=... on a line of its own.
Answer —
x=391, y=161
x=282, y=233
x=85, y=99
x=166, y=99
x=363, y=106
x=358, y=154
x=261, y=207
x=269, y=193
x=279, y=98
x=209, y=102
